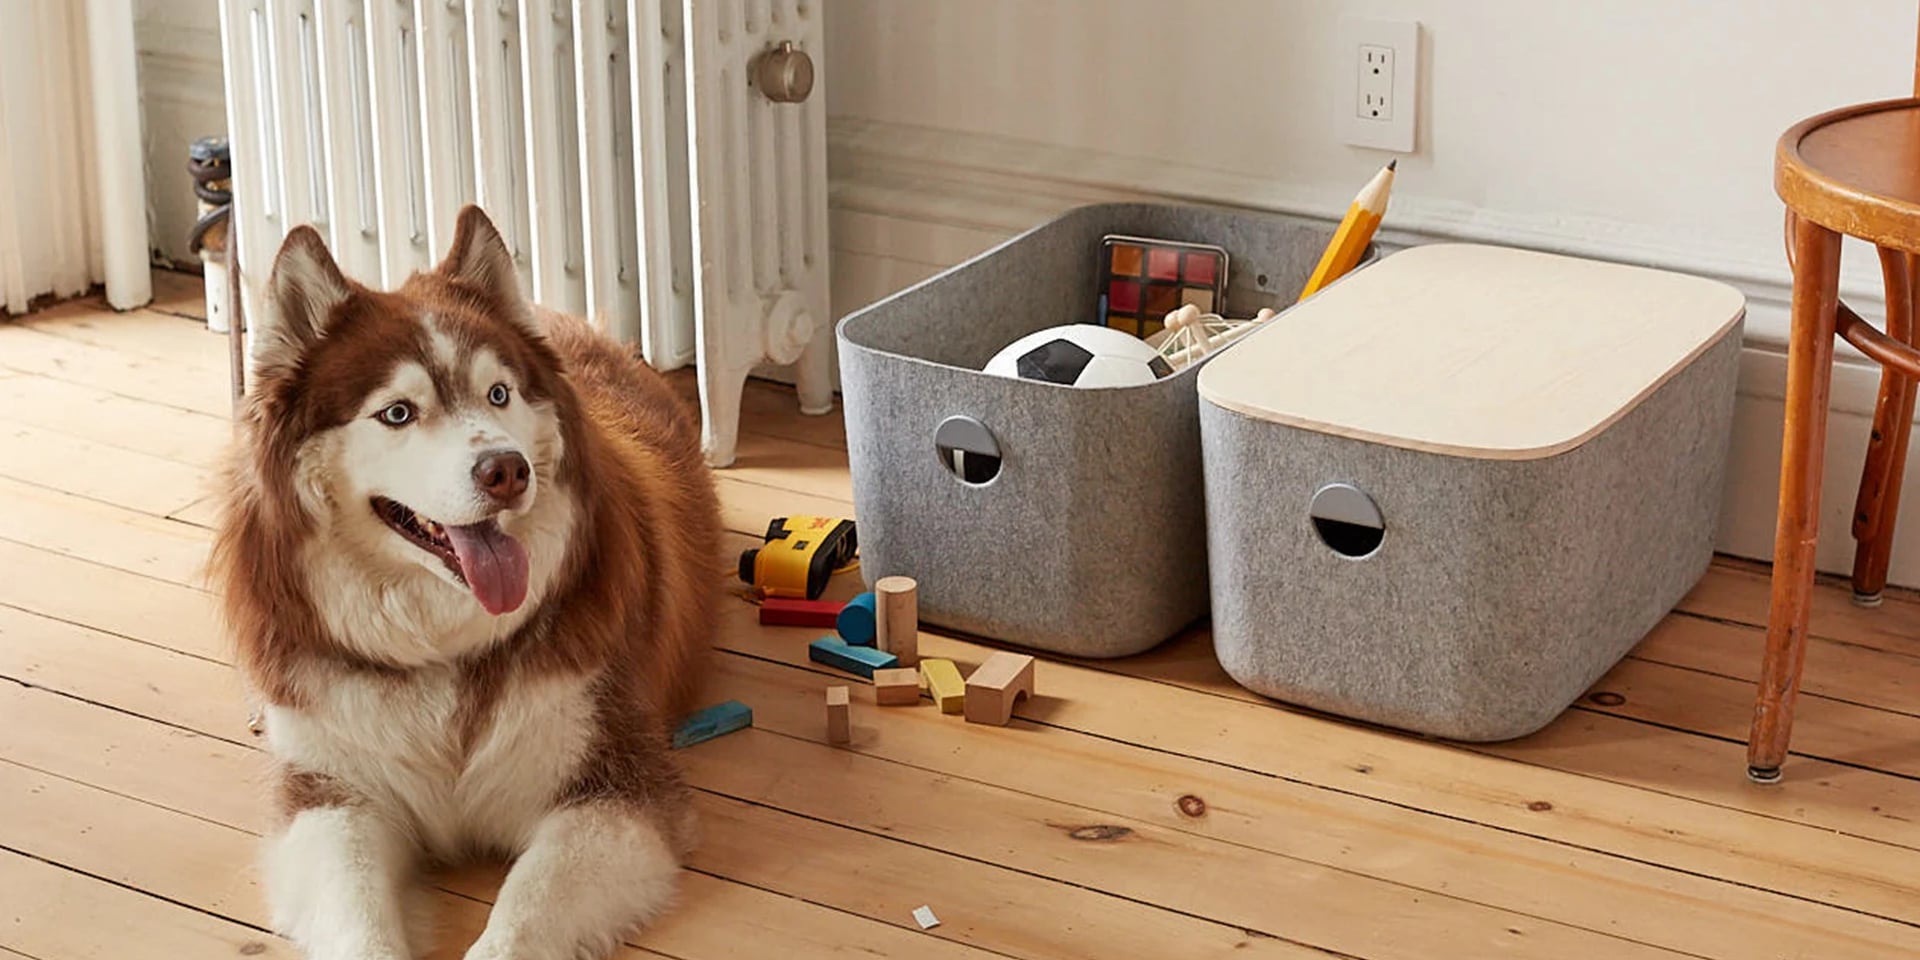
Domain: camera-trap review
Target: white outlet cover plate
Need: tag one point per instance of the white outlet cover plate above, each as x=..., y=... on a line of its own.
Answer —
x=1404, y=37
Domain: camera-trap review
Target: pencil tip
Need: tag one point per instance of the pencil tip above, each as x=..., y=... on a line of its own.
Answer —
x=1393, y=163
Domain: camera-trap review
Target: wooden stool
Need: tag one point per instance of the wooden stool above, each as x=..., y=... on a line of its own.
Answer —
x=1852, y=172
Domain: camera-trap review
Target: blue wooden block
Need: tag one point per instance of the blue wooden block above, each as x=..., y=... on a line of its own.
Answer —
x=841, y=655
x=721, y=718
x=856, y=621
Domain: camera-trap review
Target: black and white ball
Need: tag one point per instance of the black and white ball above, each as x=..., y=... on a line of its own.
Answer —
x=1080, y=355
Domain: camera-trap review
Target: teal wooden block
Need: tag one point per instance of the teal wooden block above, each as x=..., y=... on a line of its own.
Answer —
x=840, y=655
x=855, y=623
x=721, y=718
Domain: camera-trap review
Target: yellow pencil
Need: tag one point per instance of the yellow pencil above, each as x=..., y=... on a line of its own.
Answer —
x=1356, y=231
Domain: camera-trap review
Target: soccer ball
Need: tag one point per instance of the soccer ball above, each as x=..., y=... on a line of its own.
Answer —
x=1080, y=355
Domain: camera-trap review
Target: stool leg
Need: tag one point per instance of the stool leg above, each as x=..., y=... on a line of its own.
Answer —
x=1803, y=447
x=1879, y=503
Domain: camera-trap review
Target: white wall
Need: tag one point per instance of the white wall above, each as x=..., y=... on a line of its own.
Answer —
x=181, y=100
x=1633, y=130
x=1624, y=126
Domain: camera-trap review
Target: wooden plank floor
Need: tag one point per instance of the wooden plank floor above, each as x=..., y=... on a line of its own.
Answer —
x=1143, y=808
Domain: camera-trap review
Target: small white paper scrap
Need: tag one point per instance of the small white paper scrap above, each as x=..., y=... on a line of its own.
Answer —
x=924, y=915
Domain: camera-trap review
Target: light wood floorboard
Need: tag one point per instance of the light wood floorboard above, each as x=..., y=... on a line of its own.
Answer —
x=1143, y=807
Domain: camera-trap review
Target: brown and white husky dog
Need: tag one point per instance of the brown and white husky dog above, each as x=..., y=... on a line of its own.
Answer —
x=469, y=561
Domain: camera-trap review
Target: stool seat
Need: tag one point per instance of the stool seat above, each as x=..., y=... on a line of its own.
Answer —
x=1856, y=171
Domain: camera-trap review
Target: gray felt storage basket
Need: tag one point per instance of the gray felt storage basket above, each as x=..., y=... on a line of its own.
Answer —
x=1450, y=494
x=1090, y=539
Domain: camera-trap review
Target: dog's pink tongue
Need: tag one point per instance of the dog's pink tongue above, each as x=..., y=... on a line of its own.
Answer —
x=494, y=564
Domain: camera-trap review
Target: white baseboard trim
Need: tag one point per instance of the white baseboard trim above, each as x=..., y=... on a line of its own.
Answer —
x=908, y=202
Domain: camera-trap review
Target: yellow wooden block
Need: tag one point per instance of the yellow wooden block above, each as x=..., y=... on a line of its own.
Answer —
x=944, y=682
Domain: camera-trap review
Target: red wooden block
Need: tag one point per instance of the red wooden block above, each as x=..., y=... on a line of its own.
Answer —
x=782, y=612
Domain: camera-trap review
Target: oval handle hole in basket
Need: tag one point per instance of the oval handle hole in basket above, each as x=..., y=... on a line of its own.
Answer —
x=1347, y=520
x=967, y=449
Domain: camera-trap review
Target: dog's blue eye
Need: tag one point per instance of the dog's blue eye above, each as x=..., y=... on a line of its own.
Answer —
x=498, y=395
x=396, y=414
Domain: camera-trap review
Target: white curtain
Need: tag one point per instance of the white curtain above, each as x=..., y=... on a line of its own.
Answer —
x=72, y=198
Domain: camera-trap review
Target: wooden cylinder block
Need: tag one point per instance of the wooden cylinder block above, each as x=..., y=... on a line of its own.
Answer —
x=897, y=617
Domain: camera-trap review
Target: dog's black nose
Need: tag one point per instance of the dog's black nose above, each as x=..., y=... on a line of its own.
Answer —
x=502, y=475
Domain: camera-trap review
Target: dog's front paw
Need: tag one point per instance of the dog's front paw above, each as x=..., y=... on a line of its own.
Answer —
x=491, y=947
x=482, y=949
x=343, y=952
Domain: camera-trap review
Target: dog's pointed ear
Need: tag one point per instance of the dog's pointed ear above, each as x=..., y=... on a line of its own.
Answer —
x=302, y=291
x=478, y=259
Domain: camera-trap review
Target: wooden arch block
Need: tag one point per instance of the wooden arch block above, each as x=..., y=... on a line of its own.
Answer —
x=992, y=690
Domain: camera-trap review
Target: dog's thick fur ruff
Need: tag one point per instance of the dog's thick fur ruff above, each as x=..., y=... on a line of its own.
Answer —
x=409, y=725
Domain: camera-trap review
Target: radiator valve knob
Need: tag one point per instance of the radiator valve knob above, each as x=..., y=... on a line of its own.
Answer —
x=788, y=328
x=784, y=74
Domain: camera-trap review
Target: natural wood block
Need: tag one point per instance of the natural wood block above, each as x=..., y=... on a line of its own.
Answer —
x=899, y=686
x=897, y=617
x=992, y=690
x=839, y=716
x=943, y=681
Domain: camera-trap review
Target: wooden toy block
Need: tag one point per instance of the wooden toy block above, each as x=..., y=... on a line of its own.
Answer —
x=943, y=681
x=992, y=690
x=896, y=687
x=897, y=618
x=839, y=716
x=841, y=655
x=855, y=622
x=782, y=612
x=721, y=718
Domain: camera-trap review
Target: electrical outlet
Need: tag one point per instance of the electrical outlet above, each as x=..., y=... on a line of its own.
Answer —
x=1379, y=70
x=1375, y=83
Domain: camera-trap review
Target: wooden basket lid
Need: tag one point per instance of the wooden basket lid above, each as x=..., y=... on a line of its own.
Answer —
x=1474, y=350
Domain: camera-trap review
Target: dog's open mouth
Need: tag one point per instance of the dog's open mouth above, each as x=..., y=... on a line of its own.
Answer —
x=421, y=532
x=481, y=556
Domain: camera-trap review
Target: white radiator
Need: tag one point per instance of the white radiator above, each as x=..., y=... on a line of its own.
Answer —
x=73, y=203
x=637, y=175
